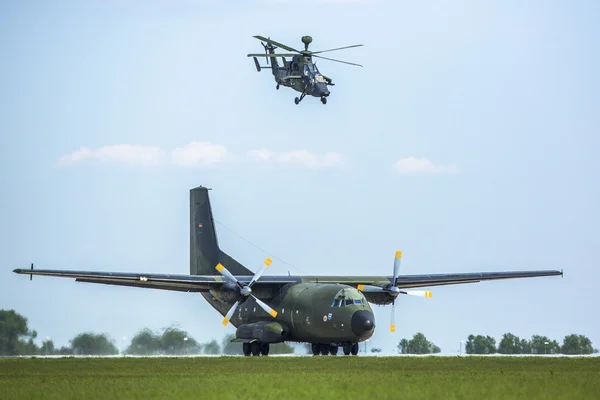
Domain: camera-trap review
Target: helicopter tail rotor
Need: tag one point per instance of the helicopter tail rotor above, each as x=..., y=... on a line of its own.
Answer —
x=268, y=47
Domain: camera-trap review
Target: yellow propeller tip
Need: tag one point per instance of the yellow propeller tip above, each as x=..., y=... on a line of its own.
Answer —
x=268, y=262
x=398, y=254
x=225, y=321
x=273, y=313
x=428, y=294
x=219, y=267
x=392, y=328
x=361, y=287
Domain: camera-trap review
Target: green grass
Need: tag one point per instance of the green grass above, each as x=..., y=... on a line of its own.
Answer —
x=315, y=378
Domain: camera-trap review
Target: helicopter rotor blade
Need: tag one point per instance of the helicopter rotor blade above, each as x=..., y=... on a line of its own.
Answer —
x=337, y=48
x=283, y=46
x=343, y=62
x=271, y=55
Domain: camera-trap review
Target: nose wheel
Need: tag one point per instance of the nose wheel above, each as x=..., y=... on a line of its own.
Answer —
x=324, y=100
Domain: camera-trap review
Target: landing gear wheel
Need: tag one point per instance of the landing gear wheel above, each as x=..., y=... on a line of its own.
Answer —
x=296, y=100
x=347, y=348
x=324, y=349
x=333, y=350
x=246, y=349
x=277, y=87
x=324, y=100
x=255, y=348
x=264, y=349
x=354, y=349
x=316, y=349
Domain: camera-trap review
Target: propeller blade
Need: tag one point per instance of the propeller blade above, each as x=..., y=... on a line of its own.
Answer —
x=371, y=289
x=283, y=46
x=259, y=273
x=393, y=318
x=223, y=271
x=420, y=293
x=337, y=48
x=397, y=265
x=343, y=62
x=230, y=313
x=265, y=307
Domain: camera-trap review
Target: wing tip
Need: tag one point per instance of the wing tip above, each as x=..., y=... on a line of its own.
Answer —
x=18, y=271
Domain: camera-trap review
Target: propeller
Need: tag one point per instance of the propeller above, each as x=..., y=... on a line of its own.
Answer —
x=393, y=290
x=245, y=290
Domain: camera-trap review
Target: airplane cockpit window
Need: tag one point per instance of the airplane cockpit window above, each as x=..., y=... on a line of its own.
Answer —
x=348, y=297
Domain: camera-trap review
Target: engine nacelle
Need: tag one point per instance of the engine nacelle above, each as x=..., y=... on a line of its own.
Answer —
x=229, y=293
x=263, y=331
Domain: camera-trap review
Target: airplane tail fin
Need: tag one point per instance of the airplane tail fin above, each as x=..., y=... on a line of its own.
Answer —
x=205, y=253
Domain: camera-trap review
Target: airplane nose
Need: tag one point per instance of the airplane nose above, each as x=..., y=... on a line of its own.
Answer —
x=363, y=322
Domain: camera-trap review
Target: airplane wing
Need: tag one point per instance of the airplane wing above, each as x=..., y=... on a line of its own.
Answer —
x=182, y=283
x=413, y=281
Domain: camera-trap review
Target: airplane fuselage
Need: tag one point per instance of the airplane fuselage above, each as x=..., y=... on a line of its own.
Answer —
x=331, y=314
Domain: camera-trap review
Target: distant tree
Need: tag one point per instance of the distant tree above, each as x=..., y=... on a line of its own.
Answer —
x=403, y=346
x=511, y=344
x=375, y=350
x=212, y=347
x=93, y=344
x=47, y=348
x=480, y=345
x=577, y=344
x=539, y=346
x=417, y=345
x=145, y=342
x=176, y=341
x=15, y=336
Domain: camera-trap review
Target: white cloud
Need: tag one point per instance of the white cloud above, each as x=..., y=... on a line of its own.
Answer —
x=199, y=153
x=302, y=158
x=413, y=166
x=123, y=153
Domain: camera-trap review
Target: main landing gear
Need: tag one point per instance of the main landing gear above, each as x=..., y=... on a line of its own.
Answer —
x=298, y=100
x=256, y=349
x=326, y=349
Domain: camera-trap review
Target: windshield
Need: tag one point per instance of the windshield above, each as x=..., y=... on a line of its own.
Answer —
x=347, y=297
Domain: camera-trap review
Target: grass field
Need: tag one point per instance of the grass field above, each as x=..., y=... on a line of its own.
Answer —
x=302, y=378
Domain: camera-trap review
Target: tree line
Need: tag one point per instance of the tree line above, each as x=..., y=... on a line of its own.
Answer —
x=16, y=338
x=512, y=344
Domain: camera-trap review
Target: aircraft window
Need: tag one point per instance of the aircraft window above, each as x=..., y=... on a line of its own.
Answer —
x=347, y=297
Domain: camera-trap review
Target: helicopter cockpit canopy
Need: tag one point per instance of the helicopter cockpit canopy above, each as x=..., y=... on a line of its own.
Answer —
x=347, y=297
x=312, y=72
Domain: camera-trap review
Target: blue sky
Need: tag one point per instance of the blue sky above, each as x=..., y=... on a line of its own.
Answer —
x=469, y=140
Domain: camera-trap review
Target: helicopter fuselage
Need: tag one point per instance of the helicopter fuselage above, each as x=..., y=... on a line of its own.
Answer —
x=300, y=74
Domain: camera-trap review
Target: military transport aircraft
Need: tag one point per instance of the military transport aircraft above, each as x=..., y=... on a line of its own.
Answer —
x=327, y=311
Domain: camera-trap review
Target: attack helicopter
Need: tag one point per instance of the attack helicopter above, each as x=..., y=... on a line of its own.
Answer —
x=300, y=73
